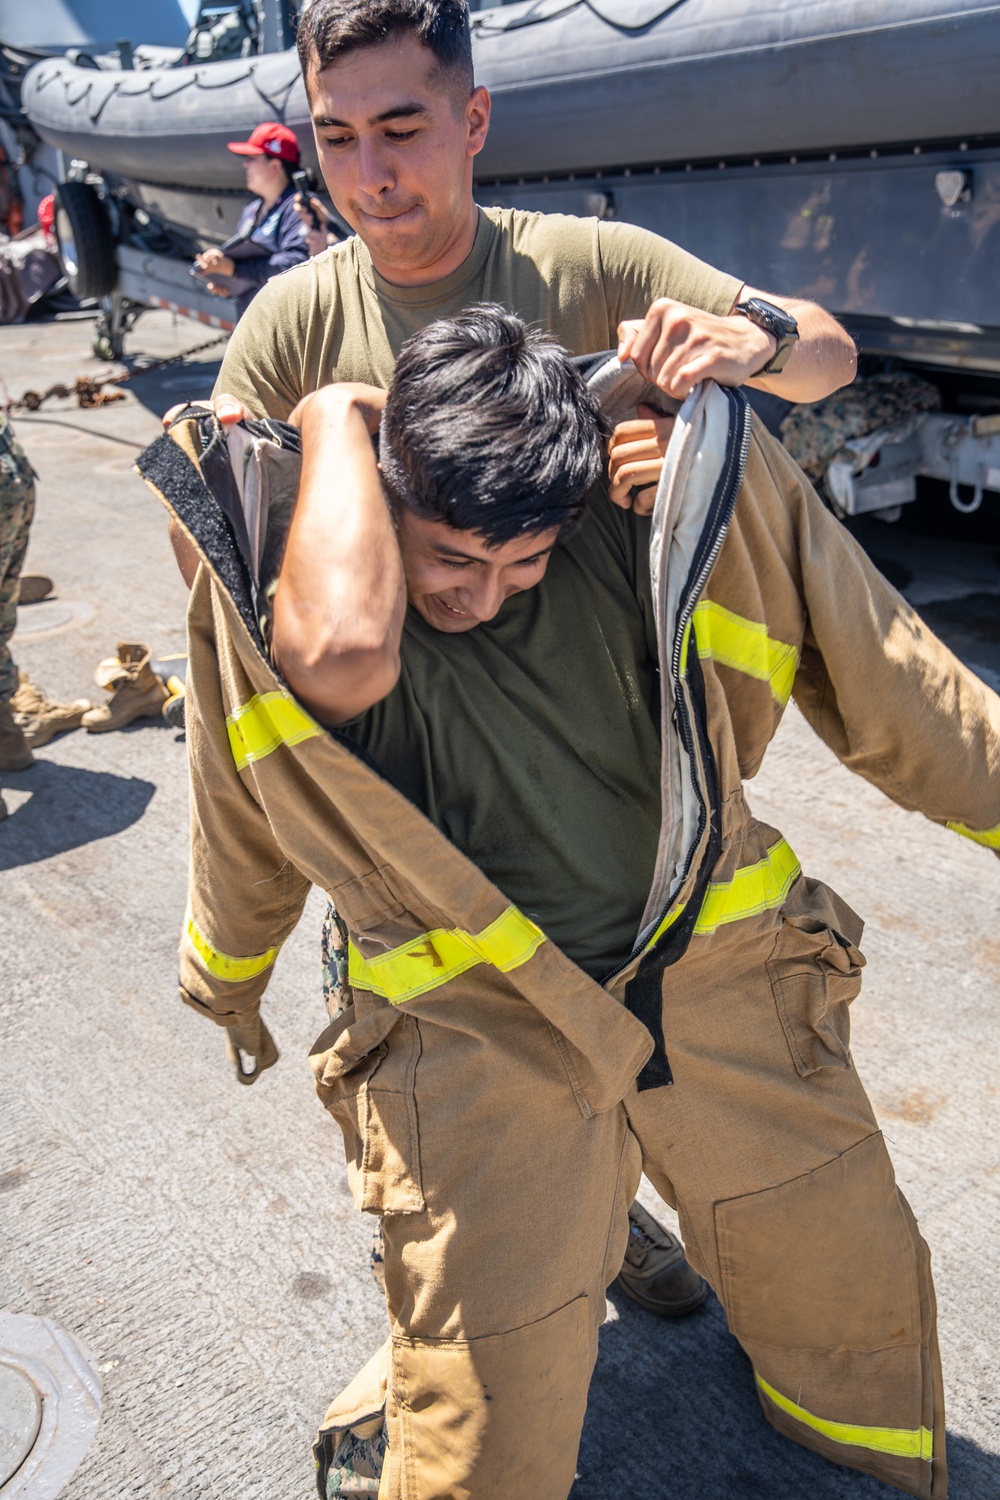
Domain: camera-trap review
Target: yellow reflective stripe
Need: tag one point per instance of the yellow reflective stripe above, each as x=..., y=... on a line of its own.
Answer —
x=224, y=965
x=267, y=721
x=902, y=1442
x=753, y=889
x=437, y=957
x=990, y=837
x=745, y=646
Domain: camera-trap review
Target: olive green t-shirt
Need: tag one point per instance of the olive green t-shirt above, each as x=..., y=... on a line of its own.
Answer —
x=532, y=741
x=336, y=318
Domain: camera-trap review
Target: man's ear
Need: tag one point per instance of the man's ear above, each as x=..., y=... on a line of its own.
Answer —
x=477, y=116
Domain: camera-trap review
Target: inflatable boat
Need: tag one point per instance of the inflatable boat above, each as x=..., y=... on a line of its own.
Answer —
x=585, y=85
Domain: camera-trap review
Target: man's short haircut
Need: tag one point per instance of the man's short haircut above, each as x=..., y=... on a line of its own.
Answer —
x=490, y=428
x=330, y=29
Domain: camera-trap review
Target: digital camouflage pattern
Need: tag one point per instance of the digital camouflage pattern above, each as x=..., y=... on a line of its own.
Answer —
x=17, y=507
x=356, y=1466
x=337, y=997
x=336, y=988
x=815, y=435
x=376, y=1257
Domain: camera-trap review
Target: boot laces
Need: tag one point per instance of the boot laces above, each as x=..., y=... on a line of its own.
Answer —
x=639, y=1235
x=640, y=1242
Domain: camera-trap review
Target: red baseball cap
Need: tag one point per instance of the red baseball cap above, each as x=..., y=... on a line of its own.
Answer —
x=270, y=139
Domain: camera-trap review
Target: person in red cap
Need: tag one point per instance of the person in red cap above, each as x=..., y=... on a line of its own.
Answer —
x=270, y=235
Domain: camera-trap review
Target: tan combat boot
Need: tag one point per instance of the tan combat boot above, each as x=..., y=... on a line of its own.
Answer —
x=656, y=1273
x=39, y=717
x=15, y=752
x=136, y=691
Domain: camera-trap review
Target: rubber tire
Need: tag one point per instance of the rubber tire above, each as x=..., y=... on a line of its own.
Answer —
x=86, y=245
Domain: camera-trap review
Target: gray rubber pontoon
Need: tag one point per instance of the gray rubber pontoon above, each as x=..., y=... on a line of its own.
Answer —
x=583, y=85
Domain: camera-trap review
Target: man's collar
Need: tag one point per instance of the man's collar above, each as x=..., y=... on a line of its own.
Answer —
x=434, y=293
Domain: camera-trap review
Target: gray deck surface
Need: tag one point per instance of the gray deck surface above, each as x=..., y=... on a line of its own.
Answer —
x=199, y=1237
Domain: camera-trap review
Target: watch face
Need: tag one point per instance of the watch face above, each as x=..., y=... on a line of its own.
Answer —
x=773, y=320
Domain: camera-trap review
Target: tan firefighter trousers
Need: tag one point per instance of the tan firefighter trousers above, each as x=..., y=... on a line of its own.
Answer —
x=505, y=1217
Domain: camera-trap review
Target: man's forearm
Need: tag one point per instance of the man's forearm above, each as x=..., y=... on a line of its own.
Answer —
x=824, y=358
x=676, y=346
x=341, y=596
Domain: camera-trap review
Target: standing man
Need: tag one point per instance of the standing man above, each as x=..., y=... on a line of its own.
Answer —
x=27, y=718
x=17, y=506
x=398, y=122
x=270, y=236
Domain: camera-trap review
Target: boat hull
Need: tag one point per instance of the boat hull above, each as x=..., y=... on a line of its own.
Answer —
x=574, y=93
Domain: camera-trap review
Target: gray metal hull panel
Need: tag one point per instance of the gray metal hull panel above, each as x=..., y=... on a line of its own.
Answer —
x=864, y=238
x=713, y=78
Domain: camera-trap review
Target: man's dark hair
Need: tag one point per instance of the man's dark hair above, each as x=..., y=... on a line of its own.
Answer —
x=332, y=28
x=490, y=428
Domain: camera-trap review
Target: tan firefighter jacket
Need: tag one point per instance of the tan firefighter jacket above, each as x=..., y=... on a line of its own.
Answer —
x=761, y=595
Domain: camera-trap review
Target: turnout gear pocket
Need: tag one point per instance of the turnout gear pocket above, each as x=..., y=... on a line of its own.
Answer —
x=815, y=968
x=372, y=1099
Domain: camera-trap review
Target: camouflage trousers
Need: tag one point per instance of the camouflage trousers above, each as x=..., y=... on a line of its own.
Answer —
x=349, y=1460
x=335, y=998
x=335, y=963
x=17, y=507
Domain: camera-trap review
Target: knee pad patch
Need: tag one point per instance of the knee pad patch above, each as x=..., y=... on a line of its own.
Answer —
x=495, y=1416
x=824, y=1261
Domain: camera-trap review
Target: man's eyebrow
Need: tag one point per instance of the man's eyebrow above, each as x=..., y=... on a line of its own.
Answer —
x=447, y=551
x=397, y=112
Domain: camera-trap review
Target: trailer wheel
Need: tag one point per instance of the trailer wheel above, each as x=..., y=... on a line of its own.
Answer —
x=107, y=347
x=86, y=246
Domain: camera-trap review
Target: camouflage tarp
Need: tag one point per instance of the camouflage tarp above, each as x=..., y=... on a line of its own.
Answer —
x=816, y=435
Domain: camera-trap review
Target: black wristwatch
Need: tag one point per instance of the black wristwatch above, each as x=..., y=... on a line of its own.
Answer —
x=779, y=324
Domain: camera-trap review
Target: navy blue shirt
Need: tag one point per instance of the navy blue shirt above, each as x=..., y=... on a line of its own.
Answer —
x=269, y=246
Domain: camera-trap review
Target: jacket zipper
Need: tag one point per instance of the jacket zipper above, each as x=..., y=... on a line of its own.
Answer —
x=730, y=488
x=733, y=480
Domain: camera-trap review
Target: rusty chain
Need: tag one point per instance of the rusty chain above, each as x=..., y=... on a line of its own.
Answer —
x=90, y=392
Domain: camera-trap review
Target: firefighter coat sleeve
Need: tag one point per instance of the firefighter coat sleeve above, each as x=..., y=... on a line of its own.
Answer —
x=245, y=895
x=877, y=685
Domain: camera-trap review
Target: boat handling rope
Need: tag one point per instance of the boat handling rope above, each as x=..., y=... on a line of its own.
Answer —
x=90, y=392
x=489, y=23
